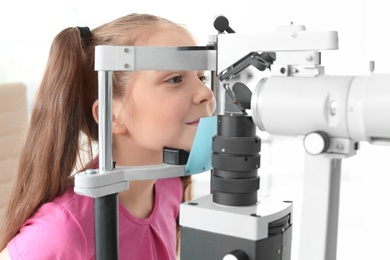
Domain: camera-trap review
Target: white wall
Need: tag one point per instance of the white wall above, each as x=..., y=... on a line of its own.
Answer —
x=27, y=28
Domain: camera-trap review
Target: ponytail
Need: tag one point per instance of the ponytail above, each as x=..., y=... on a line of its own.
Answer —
x=51, y=147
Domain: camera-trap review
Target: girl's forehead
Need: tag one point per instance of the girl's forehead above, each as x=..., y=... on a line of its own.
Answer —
x=170, y=36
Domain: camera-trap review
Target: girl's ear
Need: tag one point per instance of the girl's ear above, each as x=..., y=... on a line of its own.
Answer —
x=95, y=111
x=117, y=125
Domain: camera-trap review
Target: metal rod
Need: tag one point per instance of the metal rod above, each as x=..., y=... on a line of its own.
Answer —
x=106, y=227
x=321, y=192
x=106, y=207
x=105, y=121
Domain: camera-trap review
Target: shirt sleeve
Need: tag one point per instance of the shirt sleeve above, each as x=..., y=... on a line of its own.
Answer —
x=52, y=233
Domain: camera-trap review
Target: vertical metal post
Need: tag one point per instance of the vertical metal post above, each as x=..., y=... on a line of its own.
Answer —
x=320, y=207
x=105, y=121
x=106, y=207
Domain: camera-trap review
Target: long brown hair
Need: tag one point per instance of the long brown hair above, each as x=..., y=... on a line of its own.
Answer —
x=61, y=123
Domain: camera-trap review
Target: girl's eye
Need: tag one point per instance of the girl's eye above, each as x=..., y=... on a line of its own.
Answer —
x=203, y=79
x=175, y=80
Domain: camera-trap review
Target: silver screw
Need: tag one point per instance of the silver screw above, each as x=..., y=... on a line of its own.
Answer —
x=340, y=147
x=90, y=171
x=372, y=66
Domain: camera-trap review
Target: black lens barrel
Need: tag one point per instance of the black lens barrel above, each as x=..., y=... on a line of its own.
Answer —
x=235, y=161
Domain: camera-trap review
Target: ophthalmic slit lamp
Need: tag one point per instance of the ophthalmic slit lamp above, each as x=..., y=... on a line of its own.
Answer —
x=332, y=114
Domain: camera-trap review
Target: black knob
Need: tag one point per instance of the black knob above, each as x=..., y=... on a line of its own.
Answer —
x=221, y=23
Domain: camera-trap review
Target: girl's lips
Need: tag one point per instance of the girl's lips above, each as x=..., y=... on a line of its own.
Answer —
x=195, y=122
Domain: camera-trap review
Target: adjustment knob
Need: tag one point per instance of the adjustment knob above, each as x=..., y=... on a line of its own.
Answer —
x=316, y=143
x=221, y=23
x=236, y=255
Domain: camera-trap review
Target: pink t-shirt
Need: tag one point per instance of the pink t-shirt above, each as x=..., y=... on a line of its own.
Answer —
x=64, y=228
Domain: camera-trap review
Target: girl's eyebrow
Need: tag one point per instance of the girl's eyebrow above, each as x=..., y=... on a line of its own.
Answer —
x=164, y=72
x=181, y=72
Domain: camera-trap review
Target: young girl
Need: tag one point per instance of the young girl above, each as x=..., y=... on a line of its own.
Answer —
x=151, y=110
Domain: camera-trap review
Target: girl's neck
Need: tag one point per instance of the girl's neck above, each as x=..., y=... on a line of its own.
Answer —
x=136, y=156
x=139, y=198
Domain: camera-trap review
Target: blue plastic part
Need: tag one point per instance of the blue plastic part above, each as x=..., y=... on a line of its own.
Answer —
x=201, y=151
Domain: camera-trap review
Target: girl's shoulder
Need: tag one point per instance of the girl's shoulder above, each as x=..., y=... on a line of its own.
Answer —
x=169, y=194
x=77, y=205
x=171, y=187
x=58, y=229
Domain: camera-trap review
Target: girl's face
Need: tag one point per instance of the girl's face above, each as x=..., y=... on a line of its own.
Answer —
x=162, y=108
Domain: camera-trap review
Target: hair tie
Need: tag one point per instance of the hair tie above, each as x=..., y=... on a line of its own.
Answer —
x=85, y=33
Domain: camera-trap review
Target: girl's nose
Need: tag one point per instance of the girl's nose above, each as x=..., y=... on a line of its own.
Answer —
x=203, y=94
